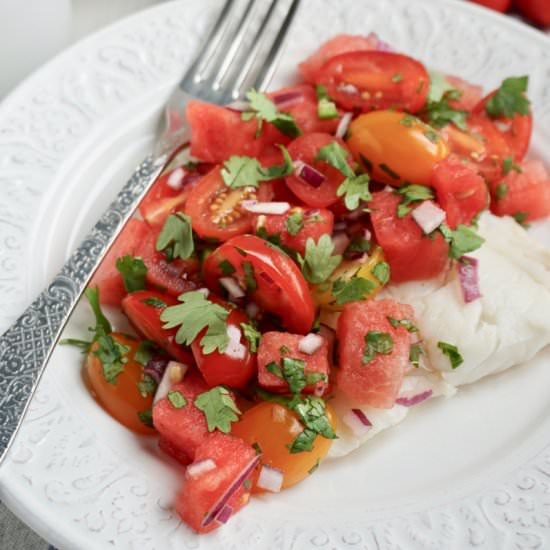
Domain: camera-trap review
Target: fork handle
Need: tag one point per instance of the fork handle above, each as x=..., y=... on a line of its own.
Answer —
x=27, y=345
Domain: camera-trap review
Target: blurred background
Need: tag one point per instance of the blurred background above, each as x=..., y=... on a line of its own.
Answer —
x=33, y=31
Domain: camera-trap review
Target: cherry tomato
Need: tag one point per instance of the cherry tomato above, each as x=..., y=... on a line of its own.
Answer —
x=122, y=399
x=371, y=80
x=215, y=209
x=306, y=148
x=143, y=309
x=396, y=148
x=537, y=10
x=270, y=277
x=516, y=130
x=220, y=368
x=497, y=5
x=311, y=224
x=273, y=427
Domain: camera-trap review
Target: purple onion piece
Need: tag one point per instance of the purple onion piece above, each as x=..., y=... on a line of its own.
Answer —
x=468, y=277
x=218, y=507
x=415, y=399
x=310, y=175
x=224, y=514
x=287, y=97
x=362, y=417
x=156, y=366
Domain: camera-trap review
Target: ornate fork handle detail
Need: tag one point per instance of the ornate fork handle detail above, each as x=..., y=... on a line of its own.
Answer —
x=26, y=347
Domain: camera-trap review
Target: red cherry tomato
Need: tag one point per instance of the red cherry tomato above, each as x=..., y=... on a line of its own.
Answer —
x=537, y=10
x=370, y=80
x=306, y=148
x=143, y=309
x=271, y=278
x=516, y=131
x=215, y=209
x=220, y=368
x=498, y=5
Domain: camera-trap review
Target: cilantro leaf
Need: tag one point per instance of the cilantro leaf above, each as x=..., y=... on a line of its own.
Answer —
x=335, y=155
x=219, y=408
x=155, y=302
x=377, y=343
x=176, y=237
x=84, y=345
x=146, y=417
x=177, y=399
x=326, y=108
x=382, y=272
x=412, y=193
x=193, y=315
x=355, y=189
x=294, y=223
x=111, y=353
x=461, y=241
x=352, y=290
x=318, y=262
x=440, y=113
x=311, y=410
x=273, y=368
x=509, y=99
x=405, y=323
x=452, y=353
x=147, y=386
x=294, y=374
x=265, y=110
x=252, y=335
x=145, y=351
x=508, y=165
x=102, y=325
x=133, y=272
x=414, y=355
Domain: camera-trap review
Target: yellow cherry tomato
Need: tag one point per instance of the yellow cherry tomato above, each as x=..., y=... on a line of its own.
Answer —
x=273, y=427
x=323, y=294
x=396, y=148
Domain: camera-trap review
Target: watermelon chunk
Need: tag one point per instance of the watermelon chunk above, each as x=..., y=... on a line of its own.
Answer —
x=276, y=345
x=377, y=382
x=205, y=496
x=411, y=254
x=166, y=446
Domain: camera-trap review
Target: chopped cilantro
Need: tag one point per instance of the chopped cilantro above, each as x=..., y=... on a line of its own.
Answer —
x=335, y=155
x=357, y=245
x=177, y=399
x=176, y=237
x=133, y=272
x=377, y=343
x=247, y=484
x=501, y=190
x=112, y=355
x=409, y=120
x=382, y=272
x=389, y=171
x=452, y=353
x=318, y=262
x=257, y=448
x=219, y=408
x=520, y=217
x=440, y=113
x=509, y=99
x=312, y=413
x=154, y=302
x=397, y=77
x=147, y=386
x=315, y=466
x=252, y=335
x=226, y=267
x=146, y=417
x=273, y=368
x=355, y=189
x=412, y=193
x=461, y=241
x=326, y=108
x=414, y=355
x=294, y=223
x=145, y=351
x=432, y=135
x=295, y=376
x=284, y=350
x=508, y=165
x=352, y=290
x=249, y=279
x=405, y=323
x=193, y=315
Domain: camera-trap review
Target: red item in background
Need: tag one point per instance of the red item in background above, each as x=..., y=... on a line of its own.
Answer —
x=498, y=5
x=536, y=10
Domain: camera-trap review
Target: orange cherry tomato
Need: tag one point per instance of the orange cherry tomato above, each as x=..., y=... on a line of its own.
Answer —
x=122, y=399
x=273, y=427
x=396, y=148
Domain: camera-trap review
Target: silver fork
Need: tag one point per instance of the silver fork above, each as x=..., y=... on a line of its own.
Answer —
x=231, y=59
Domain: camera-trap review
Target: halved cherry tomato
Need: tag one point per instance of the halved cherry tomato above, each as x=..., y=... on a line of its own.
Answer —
x=294, y=228
x=273, y=427
x=215, y=209
x=122, y=398
x=306, y=148
x=516, y=130
x=270, y=277
x=396, y=148
x=143, y=309
x=370, y=80
x=220, y=368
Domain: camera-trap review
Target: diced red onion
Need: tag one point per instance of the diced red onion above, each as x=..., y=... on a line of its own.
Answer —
x=287, y=97
x=310, y=343
x=468, y=277
x=252, y=309
x=270, y=479
x=347, y=88
x=343, y=125
x=239, y=480
x=173, y=374
x=340, y=242
x=309, y=174
x=234, y=348
x=428, y=216
x=357, y=421
x=502, y=125
x=232, y=286
x=175, y=179
x=415, y=399
x=156, y=366
x=340, y=226
x=197, y=468
x=265, y=207
x=225, y=514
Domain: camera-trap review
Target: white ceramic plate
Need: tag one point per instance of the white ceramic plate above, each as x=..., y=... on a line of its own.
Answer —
x=470, y=472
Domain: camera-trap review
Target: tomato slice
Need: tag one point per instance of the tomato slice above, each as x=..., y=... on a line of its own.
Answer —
x=143, y=309
x=370, y=80
x=122, y=398
x=516, y=130
x=305, y=148
x=216, y=211
x=220, y=368
x=270, y=277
